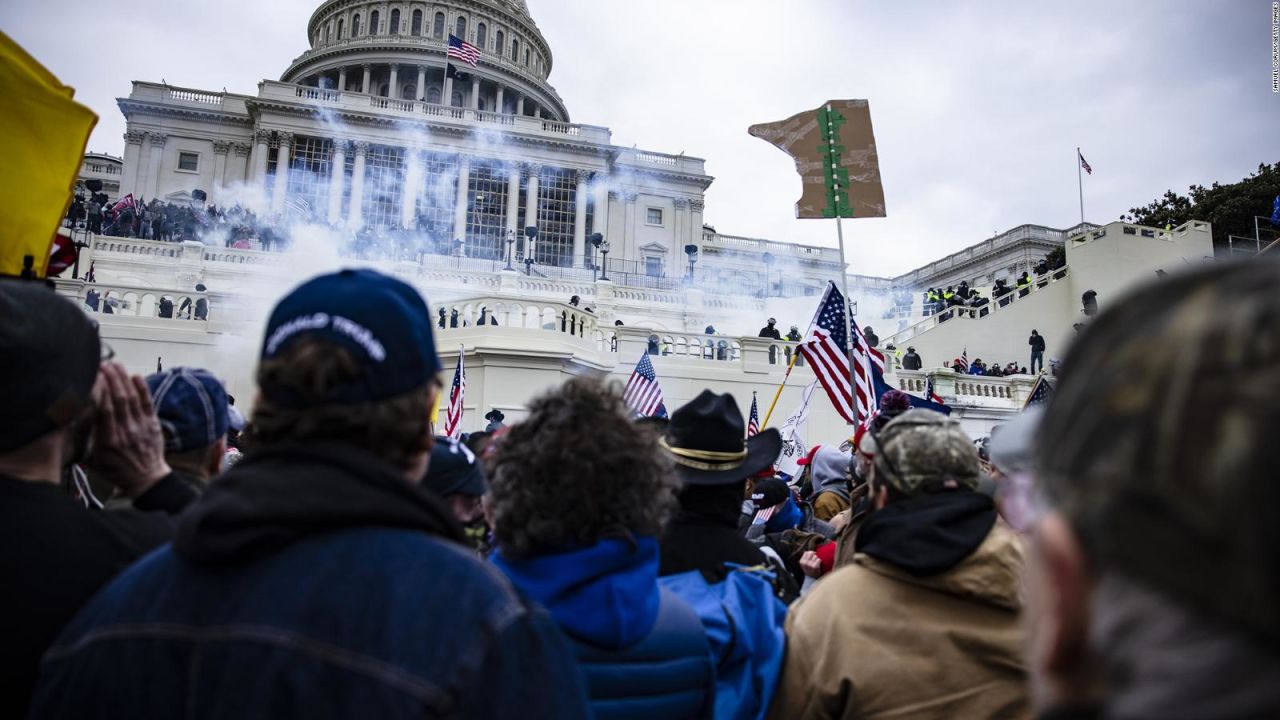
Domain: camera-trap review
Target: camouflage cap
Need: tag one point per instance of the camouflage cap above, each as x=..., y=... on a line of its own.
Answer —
x=1158, y=445
x=923, y=451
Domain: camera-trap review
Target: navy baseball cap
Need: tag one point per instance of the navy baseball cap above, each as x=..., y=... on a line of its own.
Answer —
x=382, y=321
x=192, y=405
x=453, y=470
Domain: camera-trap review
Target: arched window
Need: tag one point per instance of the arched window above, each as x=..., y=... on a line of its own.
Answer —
x=355, y=25
x=481, y=36
x=394, y=27
x=437, y=30
x=416, y=27
x=501, y=42
x=433, y=95
x=373, y=22
x=407, y=92
x=461, y=28
x=457, y=99
x=339, y=28
x=515, y=50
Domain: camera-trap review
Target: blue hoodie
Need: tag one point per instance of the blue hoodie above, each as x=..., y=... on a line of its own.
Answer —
x=787, y=517
x=605, y=595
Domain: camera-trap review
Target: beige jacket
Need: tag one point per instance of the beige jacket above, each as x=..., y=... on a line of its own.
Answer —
x=872, y=641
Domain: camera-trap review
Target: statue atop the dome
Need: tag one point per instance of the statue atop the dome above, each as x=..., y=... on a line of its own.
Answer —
x=835, y=153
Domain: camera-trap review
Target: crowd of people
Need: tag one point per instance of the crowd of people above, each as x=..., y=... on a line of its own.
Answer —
x=330, y=556
x=965, y=300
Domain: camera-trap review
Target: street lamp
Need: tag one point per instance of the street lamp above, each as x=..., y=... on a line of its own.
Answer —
x=596, y=240
x=769, y=259
x=604, y=250
x=692, y=252
x=511, y=241
x=530, y=232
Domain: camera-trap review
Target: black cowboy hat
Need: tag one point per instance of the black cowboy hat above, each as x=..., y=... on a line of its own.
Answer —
x=495, y=414
x=705, y=438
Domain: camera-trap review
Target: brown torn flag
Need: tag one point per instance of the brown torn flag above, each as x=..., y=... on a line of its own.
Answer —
x=835, y=153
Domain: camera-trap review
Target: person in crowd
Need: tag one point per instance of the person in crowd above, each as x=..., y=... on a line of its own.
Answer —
x=924, y=622
x=829, y=474
x=195, y=417
x=495, y=418
x=63, y=410
x=912, y=361
x=91, y=299
x=739, y=593
x=202, y=303
x=578, y=533
x=977, y=367
x=455, y=476
x=441, y=319
x=771, y=330
x=1089, y=303
x=1024, y=284
x=793, y=335
x=1152, y=582
x=873, y=340
x=165, y=309
x=711, y=330
x=1036, y=341
x=317, y=577
x=574, y=300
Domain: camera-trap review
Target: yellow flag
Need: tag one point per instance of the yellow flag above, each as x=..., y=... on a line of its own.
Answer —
x=43, y=133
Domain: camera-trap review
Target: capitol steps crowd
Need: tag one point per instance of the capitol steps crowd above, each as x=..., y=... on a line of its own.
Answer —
x=329, y=557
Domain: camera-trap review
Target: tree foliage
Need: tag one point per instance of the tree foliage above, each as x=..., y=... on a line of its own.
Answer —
x=1229, y=208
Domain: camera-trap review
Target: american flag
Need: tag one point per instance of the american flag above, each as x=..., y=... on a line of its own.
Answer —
x=930, y=394
x=1084, y=164
x=464, y=51
x=1040, y=393
x=753, y=422
x=826, y=346
x=453, y=416
x=963, y=365
x=643, y=395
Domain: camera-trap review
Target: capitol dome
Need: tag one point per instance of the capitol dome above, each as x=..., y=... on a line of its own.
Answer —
x=397, y=50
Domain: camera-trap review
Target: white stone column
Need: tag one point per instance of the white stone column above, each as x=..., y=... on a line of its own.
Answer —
x=460, y=206
x=520, y=105
x=342, y=79
x=446, y=93
x=133, y=159
x=156, y=143
x=538, y=113
x=422, y=83
x=261, y=140
x=412, y=185
x=364, y=85
x=600, y=218
x=475, y=92
x=695, y=222
x=513, y=199
x=393, y=83
x=221, y=148
x=240, y=169
x=283, y=156
x=355, y=214
x=580, y=218
x=533, y=170
x=498, y=106
x=624, y=249
x=335, y=181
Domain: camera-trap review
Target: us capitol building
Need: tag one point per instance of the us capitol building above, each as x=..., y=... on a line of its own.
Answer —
x=482, y=167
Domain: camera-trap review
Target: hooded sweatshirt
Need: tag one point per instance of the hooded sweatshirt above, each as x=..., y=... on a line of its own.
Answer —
x=829, y=474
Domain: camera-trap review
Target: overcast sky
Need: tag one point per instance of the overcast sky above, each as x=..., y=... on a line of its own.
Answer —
x=978, y=106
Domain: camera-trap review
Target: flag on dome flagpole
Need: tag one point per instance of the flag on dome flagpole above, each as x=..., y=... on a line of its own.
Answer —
x=464, y=51
x=1084, y=164
x=643, y=394
x=753, y=422
x=453, y=416
x=845, y=370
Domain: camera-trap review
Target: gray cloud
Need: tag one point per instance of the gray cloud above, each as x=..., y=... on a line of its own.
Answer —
x=978, y=107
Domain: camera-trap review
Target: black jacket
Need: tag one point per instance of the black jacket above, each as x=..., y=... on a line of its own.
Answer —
x=911, y=361
x=1036, y=342
x=770, y=331
x=57, y=554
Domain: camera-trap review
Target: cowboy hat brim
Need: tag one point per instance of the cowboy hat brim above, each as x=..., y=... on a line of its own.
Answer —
x=762, y=450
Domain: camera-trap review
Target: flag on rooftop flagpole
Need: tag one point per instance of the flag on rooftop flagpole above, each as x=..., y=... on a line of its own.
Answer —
x=1084, y=164
x=828, y=350
x=43, y=132
x=464, y=51
x=643, y=394
x=453, y=416
x=753, y=421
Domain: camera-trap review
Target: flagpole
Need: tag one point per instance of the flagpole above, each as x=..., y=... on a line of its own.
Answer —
x=848, y=304
x=778, y=394
x=1080, y=183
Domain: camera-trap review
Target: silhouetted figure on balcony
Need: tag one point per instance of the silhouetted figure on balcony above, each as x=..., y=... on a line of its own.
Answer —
x=440, y=322
x=166, y=307
x=771, y=330
x=912, y=361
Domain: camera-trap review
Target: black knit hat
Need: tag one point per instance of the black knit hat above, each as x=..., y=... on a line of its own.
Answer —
x=49, y=354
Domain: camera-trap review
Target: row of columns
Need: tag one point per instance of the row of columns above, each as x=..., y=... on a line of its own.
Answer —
x=446, y=97
x=144, y=159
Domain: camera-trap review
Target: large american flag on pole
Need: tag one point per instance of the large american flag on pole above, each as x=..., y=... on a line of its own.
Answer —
x=453, y=415
x=643, y=395
x=753, y=421
x=826, y=346
x=464, y=51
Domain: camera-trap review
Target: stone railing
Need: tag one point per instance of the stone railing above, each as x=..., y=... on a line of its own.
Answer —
x=1008, y=392
x=760, y=245
x=993, y=305
x=136, y=301
x=982, y=249
x=516, y=315
x=138, y=248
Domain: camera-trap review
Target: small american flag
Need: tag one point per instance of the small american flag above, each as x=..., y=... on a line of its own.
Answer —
x=643, y=395
x=1040, y=393
x=753, y=422
x=453, y=416
x=464, y=51
x=826, y=346
x=930, y=394
x=1084, y=164
x=963, y=365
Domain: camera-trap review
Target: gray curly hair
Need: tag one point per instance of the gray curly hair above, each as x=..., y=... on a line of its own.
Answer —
x=577, y=470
